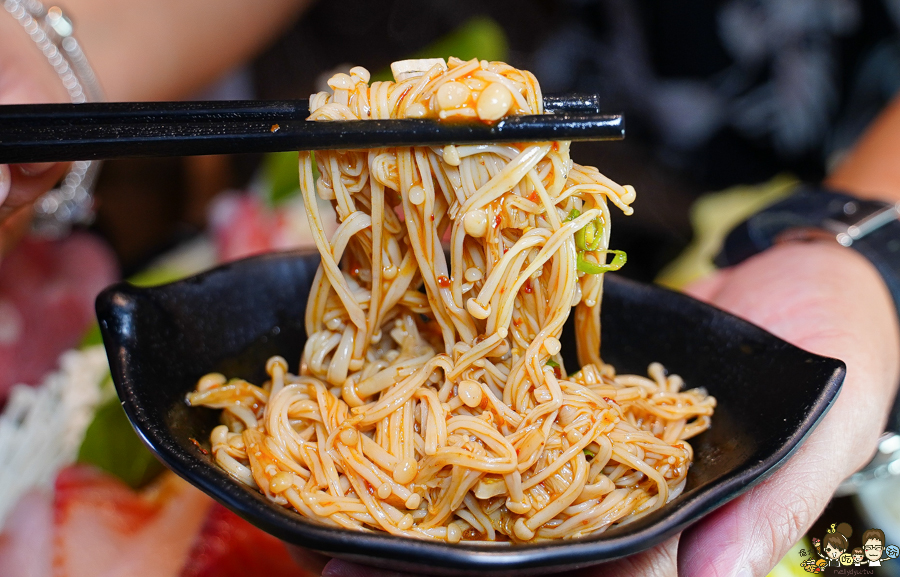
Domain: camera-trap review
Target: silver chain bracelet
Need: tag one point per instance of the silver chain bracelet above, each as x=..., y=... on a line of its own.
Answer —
x=71, y=202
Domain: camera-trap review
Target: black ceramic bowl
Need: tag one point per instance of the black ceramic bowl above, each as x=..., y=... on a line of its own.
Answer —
x=231, y=319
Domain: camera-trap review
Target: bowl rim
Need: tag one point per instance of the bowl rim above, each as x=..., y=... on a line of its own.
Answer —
x=401, y=552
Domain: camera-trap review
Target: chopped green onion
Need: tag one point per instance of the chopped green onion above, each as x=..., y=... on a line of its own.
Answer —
x=592, y=236
x=596, y=268
x=575, y=213
x=588, y=237
x=579, y=238
x=589, y=453
x=552, y=363
x=588, y=267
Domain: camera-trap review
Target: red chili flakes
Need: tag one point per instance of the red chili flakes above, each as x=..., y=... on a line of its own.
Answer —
x=533, y=197
x=497, y=220
x=518, y=321
x=611, y=401
x=275, y=128
x=432, y=218
x=443, y=281
x=526, y=288
x=198, y=445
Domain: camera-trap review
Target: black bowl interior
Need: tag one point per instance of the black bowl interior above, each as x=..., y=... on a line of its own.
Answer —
x=231, y=319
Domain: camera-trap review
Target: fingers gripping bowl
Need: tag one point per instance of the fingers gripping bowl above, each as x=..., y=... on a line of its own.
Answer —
x=433, y=398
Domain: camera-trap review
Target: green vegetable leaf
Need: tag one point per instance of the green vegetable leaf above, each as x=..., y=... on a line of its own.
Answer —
x=92, y=337
x=111, y=444
x=279, y=172
x=279, y=175
x=589, y=453
x=552, y=363
x=480, y=37
x=156, y=276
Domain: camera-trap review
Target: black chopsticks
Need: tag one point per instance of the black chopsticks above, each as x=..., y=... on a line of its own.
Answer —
x=63, y=132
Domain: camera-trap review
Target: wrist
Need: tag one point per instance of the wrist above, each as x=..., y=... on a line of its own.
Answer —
x=871, y=228
x=811, y=284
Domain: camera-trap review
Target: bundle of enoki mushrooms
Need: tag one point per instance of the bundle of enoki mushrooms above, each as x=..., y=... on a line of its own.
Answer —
x=432, y=400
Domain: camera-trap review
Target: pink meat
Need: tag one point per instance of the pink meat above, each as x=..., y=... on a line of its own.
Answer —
x=243, y=224
x=47, y=292
x=228, y=546
x=27, y=536
x=104, y=529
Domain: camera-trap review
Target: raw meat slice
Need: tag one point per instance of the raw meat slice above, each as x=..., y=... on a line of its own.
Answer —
x=47, y=292
x=27, y=537
x=228, y=546
x=104, y=529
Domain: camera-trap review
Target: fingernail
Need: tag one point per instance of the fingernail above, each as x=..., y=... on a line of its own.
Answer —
x=35, y=168
x=5, y=182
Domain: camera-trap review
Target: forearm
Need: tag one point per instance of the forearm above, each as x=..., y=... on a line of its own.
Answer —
x=872, y=168
x=169, y=49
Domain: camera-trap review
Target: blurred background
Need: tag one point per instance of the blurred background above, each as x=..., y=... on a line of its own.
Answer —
x=729, y=104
